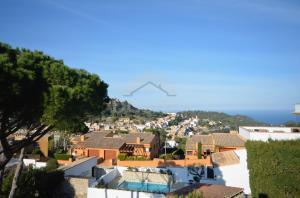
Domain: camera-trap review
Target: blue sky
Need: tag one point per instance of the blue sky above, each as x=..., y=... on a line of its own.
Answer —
x=229, y=55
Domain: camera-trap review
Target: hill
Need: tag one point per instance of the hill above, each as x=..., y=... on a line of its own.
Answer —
x=116, y=109
x=231, y=120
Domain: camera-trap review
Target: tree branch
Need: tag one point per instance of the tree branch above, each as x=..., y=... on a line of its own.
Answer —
x=18, y=171
x=30, y=139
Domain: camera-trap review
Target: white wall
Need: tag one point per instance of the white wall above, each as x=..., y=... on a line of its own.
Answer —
x=85, y=166
x=262, y=136
x=270, y=129
x=236, y=175
x=272, y=134
x=34, y=163
x=113, y=193
x=111, y=176
x=244, y=133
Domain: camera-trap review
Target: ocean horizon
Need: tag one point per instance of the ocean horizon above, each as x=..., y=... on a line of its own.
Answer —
x=273, y=117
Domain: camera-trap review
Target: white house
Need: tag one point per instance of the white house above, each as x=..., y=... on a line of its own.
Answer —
x=297, y=109
x=81, y=167
x=34, y=163
x=230, y=169
x=264, y=133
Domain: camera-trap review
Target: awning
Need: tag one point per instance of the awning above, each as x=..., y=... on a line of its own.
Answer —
x=129, y=148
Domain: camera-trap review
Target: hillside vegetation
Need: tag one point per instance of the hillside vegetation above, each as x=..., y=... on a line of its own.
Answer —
x=231, y=120
x=116, y=109
x=274, y=168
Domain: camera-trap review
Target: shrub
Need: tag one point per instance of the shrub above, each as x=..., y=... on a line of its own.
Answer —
x=169, y=156
x=122, y=156
x=51, y=164
x=199, y=150
x=274, y=168
x=132, y=158
x=59, y=156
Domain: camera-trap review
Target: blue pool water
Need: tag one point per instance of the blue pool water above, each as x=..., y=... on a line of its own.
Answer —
x=146, y=187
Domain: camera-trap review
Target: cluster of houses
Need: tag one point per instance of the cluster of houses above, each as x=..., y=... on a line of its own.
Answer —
x=214, y=165
x=226, y=175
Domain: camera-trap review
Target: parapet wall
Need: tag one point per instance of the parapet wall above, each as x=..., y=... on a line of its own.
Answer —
x=168, y=163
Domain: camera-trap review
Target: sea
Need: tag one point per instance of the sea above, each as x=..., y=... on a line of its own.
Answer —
x=273, y=117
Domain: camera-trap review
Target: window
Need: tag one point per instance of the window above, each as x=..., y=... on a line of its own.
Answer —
x=189, y=152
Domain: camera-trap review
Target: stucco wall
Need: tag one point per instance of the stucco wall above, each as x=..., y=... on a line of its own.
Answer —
x=236, y=175
x=262, y=136
x=244, y=133
x=273, y=133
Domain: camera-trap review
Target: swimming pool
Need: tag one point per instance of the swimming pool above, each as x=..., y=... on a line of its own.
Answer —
x=145, y=187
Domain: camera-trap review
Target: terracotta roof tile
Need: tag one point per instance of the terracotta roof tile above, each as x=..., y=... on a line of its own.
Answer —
x=227, y=139
x=209, y=191
x=225, y=158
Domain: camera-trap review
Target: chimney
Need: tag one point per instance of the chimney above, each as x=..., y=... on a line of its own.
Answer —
x=138, y=140
x=82, y=138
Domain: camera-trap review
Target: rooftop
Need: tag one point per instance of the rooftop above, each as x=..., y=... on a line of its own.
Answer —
x=203, y=139
x=75, y=163
x=225, y=158
x=208, y=190
x=228, y=139
x=109, y=140
x=216, y=139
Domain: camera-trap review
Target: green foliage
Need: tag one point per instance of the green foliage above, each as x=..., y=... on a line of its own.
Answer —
x=51, y=164
x=122, y=156
x=51, y=145
x=176, y=121
x=199, y=150
x=125, y=156
x=36, y=151
x=162, y=134
x=274, y=168
x=136, y=158
x=101, y=184
x=121, y=132
x=34, y=183
x=292, y=124
x=37, y=89
x=169, y=156
x=62, y=156
x=6, y=185
x=117, y=109
x=231, y=120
